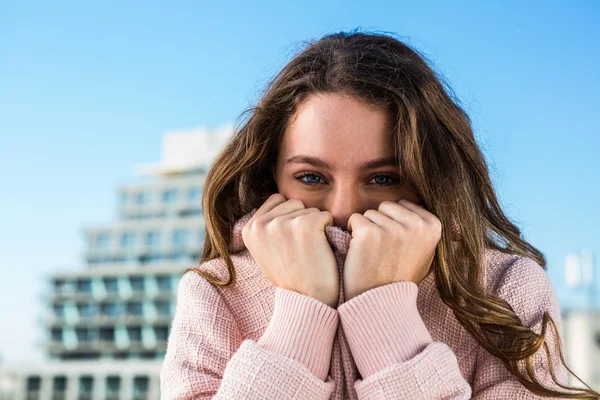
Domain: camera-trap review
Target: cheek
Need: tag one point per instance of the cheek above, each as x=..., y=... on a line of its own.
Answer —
x=292, y=190
x=413, y=197
x=406, y=192
x=289, y=189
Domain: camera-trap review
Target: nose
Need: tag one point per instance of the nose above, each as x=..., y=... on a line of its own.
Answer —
x=342, y=204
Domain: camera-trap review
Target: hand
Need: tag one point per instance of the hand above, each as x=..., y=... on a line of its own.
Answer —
x=289, y=245
x=394, y=243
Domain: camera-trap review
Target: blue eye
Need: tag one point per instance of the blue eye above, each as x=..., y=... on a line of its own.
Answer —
x=312, y=181
x=310, y=176
x=383, y=176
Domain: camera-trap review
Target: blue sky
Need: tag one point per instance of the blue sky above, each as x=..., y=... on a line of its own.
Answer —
x=88, y=89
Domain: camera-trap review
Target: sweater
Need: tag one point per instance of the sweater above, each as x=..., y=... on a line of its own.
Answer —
x=253, y=340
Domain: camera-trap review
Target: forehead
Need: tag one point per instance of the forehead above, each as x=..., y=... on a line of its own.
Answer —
x=338, y=128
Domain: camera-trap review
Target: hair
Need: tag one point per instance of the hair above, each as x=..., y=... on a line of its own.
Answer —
x=438, y=156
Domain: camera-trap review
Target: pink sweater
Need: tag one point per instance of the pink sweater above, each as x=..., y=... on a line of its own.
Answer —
x=257, y=341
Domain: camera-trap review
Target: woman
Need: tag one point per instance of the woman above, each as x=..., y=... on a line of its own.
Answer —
x=356, y=249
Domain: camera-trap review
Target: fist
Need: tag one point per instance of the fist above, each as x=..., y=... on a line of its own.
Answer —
x=394, y=243
x=288, y=243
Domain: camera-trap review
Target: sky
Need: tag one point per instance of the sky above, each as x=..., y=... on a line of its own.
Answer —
x=88, y=89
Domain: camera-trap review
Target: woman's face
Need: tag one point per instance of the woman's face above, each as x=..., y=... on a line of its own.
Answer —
x=324, y=155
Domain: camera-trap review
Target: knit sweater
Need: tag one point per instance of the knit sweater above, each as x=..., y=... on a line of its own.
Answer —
x=253, y=340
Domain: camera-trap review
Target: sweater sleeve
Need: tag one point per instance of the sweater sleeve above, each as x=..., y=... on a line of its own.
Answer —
x=393, y=349
x=525, y=285
x=208, y=358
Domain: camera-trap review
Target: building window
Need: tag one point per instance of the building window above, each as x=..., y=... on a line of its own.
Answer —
x=127, y=240
x=180, y=238
x=164, y=282
x=148, y=355
x=84, y=285
x=86, y=310
x=124, y=198
x=59, y=387
x=169, y=196
x=102, y=240
x=59, y=310
x=60, y=285
x=190, y=212
x=84, y=335
x=107, y=334
x=110, y=309
x=153, y=238
x=86, y=387
x=180, y=256
x=140, y=387
x=99, y=260
x=110, y=285
x=56, y=334
x=142, y=198
x=137, y=283
x=134, y=333
x=113, y=387
x=134, y=308
x=194, y=194
x=150, y=258
x=34, y=383
x=161, y=333
x=163, y=308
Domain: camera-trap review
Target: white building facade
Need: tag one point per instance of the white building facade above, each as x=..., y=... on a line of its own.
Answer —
x=107, y=324
x=580, y=305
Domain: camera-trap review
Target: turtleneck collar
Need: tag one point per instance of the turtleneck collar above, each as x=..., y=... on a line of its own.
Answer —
x=338, y=239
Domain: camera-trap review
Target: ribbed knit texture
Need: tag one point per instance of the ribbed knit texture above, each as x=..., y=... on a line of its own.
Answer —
x=397, y=341
x=371, y=325
x=302, y=328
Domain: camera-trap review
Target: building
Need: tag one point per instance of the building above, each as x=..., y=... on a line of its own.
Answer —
x=580, y=312
x=107, y=323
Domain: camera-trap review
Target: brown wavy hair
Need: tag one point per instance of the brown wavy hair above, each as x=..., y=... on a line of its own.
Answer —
x=438, y=156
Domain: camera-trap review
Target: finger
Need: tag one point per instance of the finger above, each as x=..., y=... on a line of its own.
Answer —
x=282, y=207
x=417, y=209
x=380, y=219
x=273, y=201
x=286, y=207
x=357, y=221
x=398, y=213
x=324, y=219
x=300, y=212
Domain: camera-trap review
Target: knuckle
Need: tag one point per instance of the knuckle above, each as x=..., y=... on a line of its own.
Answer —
x=416, y=222
x=297, y=202
x=327, y=213
x=259, y=221
x=383, y=204
x=437, y=229
x=299, y=221
x=277, y=196
x=277, y=221
x=370, y=211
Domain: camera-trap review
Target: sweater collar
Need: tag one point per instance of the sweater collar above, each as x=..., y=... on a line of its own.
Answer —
x=338, y=239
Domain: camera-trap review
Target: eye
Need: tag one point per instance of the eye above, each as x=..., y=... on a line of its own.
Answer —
x=300, y=178
x=384, y=180
x=313, y=179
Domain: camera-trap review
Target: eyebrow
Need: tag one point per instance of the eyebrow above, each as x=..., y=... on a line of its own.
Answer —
x=319, y=163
